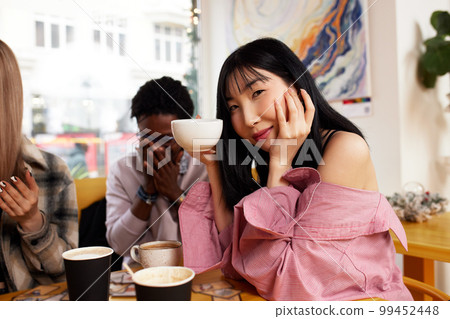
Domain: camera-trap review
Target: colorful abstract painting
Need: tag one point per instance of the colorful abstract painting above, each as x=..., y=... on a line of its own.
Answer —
x=329, y=36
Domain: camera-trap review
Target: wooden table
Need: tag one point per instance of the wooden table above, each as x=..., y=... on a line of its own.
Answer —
x=427, y=242
x=244, y=291
x=248, y=292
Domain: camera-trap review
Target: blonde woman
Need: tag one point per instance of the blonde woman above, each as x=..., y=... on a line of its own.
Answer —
x=38, y=209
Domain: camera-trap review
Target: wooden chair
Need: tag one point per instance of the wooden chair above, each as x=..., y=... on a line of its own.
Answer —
x=425, y=289
x=89, y=191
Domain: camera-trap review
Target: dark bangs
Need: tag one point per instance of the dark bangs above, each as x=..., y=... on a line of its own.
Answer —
x=247, y=73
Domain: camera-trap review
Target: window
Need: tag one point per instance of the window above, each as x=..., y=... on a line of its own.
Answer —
x=168, y=44
x=122, y=44
x=55, y=35
x=40, y=42
x=89, y=103
x=179, y=52
x=111, y=35
x=97, y=36
x=168, y=55
x=109, y=41
x=157, y=49
x=69, y=34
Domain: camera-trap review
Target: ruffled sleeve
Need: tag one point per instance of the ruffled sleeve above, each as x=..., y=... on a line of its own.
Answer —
x=203, y=246
x=312, y=241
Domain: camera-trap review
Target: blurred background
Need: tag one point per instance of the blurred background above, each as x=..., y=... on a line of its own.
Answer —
x=83, y=61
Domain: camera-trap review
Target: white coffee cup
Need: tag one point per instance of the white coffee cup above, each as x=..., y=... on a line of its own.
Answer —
x=158, y=253
x=196, y=135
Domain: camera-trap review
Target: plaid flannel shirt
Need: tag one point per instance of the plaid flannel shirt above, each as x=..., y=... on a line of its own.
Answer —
x=29, y=259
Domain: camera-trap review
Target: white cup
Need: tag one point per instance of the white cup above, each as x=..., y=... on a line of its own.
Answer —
x=158, y=253
x=196, y=135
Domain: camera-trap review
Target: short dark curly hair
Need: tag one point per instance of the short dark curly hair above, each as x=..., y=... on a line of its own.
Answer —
x=162, y=96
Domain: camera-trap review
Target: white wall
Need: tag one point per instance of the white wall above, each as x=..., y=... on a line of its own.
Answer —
x=424, y=134
x=424, y=125
x=408, y=132
x=213, y=53
x=382, y=128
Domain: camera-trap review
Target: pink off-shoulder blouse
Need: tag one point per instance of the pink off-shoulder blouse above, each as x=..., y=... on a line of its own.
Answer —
x=310, y=240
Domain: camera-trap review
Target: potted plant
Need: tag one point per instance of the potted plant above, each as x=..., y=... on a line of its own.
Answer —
x=436, y=59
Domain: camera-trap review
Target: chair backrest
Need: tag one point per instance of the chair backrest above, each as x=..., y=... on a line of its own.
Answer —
x=418, y=286
x=89, y=191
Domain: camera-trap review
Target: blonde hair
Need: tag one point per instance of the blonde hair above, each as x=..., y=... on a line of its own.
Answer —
x=11, y=112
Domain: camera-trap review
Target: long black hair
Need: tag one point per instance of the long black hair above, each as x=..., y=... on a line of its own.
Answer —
x=275, y=57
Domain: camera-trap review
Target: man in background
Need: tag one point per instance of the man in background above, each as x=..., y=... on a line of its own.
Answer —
x=142, y=199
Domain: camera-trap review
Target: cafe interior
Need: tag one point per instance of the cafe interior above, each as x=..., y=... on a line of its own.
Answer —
x=83, y=61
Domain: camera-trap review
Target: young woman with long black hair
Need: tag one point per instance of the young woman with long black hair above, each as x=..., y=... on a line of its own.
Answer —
x=310, y=225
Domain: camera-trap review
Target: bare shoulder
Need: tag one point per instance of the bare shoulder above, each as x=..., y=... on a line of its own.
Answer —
x=343, y=144
x=347, y=162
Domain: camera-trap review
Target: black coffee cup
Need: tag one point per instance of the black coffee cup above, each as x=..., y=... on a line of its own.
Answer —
x=165, y=283
x=88, y=271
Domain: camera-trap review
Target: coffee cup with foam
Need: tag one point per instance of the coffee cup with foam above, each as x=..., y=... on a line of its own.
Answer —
x=163, y=283
x=158, y=253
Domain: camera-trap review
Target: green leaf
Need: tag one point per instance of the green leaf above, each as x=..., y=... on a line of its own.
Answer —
x=427, y=79
x=436, y=42
x=436, y=59
x=440, y=20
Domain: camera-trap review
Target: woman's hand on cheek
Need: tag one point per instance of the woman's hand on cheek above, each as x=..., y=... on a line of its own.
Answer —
x=293, y=128
x=20, y=202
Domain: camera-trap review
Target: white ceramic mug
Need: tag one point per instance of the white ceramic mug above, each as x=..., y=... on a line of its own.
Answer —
x=196, y=135
x=157, y=253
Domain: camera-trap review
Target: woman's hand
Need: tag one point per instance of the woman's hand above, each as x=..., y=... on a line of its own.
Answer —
x=222, y=215
x=206, y=157
x=293, y=129
x=20, y=202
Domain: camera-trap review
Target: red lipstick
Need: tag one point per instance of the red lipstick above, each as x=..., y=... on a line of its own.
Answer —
x=262, y=134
